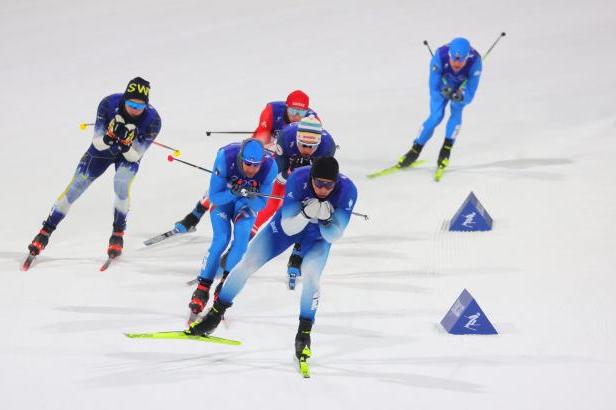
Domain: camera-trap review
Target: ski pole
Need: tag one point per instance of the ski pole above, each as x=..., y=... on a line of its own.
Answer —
x=425, y=42
x=176, y=152
x=208, y=133
x=170, y=158
x=503, y=34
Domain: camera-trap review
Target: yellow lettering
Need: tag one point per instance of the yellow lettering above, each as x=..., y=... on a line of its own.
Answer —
x=143, y=89
x=131, y=87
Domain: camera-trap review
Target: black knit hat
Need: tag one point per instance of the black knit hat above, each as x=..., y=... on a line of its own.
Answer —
x=325, y=168
x=139, y=89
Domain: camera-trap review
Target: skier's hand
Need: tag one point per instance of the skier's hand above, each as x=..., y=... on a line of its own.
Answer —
x=326, y=212
x=297, y=161
x=446, y=92
x=457, y=96
x=311, y=208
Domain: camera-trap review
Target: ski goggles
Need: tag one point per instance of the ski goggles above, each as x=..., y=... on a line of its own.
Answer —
x=297, y=111
x=135, y=105
x=459, y=58
x=322, y=183
x=251, y=164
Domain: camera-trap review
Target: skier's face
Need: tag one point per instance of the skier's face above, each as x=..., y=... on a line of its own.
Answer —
x=323, y=187
x=457, y=65
x=134, y=107
x=306, y=150
x=250, y=169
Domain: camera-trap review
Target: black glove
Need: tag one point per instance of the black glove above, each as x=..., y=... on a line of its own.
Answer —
x=446, y=92
x=457, y=95
x=297, y=161
x=302, y=338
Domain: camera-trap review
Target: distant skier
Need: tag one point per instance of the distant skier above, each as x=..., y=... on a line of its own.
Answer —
x=125, y=127
x=455, y=71
x=298, y=145
x=274, y=117
x=315, y=213
x=240, y=172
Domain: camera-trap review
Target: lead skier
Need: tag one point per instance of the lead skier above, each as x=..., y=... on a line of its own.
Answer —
x=316, y=211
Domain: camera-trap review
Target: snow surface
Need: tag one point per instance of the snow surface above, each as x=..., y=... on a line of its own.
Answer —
x=535, y=147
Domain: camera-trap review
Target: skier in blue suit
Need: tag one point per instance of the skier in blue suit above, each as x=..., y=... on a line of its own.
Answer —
x=241, y=172
x=126, y=125
x=316, y=211
x=455, y=71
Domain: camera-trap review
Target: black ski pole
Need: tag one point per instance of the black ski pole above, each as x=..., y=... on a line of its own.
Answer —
x=429, y=49
x=503, y=34
x=208, y=133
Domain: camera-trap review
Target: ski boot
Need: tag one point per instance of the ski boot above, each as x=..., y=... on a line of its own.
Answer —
x=302, y=338
x=211, y=320
x=39, y=242
x=199, y=299
x=190, y=221
x=443, y=159
x=411, y=156
x=294, y=266
x=116, y=244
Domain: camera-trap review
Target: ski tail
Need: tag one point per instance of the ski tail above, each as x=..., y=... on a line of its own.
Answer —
x=166, y=235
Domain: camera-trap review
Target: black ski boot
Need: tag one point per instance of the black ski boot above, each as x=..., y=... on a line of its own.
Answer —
x=411, y=156
x=211, y=321
x=302, y=338
x=191, y=220
x=443, y=156
x=116, y=244
x=39, y=242
x=200, y=296
x=294, y=267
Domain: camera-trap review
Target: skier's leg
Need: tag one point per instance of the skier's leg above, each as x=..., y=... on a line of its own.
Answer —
x=122, y=182
x=221, y=227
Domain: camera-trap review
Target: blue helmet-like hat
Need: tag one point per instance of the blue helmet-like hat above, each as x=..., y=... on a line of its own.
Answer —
x=252, y=151
x=459, y=49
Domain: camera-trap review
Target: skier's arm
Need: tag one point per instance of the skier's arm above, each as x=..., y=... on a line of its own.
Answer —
x=266, y=122
x=143, y=141
x=292, y=221
x=473, y=81
x=333, y=230
x=219, y=193
x=436, y=79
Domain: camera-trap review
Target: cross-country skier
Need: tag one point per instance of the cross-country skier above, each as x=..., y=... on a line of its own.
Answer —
x=275, y=116
x=316, y=210
x=126, y=124
x=298, y=145
x=241, y=173
x=455, y=71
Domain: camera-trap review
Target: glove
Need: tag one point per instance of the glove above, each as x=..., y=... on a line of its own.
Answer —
x=446, y=92
x=236, y=186
x=297, y=161
x=311, y=208
x=325, y=212
x=457, y=96
x=116, y=127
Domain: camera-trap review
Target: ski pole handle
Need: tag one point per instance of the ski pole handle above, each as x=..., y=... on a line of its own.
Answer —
x=170, y=158
x=425, y=42
x=208, y=133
